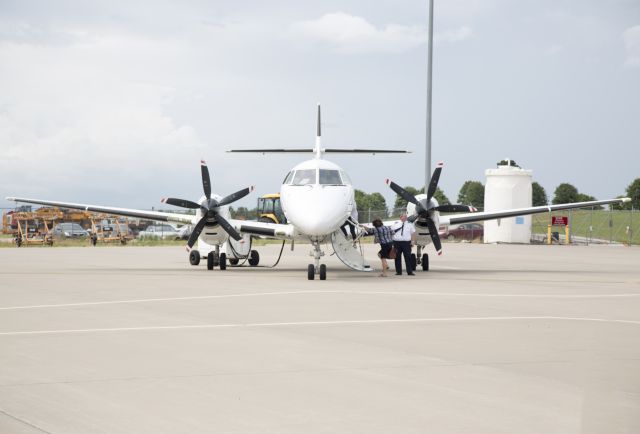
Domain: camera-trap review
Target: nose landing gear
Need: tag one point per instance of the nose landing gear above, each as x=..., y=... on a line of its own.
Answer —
x=320, y=269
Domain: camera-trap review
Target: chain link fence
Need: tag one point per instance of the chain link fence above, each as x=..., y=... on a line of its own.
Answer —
x=590, y=226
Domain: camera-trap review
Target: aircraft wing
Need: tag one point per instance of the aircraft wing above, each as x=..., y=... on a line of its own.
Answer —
x=492, y=215
x=127, y=212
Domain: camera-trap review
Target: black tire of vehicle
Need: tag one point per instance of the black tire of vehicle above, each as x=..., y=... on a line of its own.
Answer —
x=311, y=272
x=254, y=258
x=425, y=262
x=194, y=257
x=210, y=261
x=323, y=272
x=223, y=261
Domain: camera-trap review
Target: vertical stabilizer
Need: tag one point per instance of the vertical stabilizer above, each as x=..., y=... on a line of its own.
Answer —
x=318, y=149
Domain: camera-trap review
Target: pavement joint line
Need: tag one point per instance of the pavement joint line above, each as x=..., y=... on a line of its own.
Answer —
x=316, y=323
x=23, y=421
x=259, y=294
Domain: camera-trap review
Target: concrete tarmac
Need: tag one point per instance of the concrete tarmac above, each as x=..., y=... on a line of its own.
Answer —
x=494, y=339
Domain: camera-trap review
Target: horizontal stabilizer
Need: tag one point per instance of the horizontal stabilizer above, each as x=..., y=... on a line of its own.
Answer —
x=327, y=150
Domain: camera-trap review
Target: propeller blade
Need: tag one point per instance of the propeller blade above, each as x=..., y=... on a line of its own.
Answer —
x=402, y=192
x=228, y=228
x=413, y=218
x=435, y=238
x=235, y=196
x=196, y=232
x=433, y=185
x=455, y=208
x=183, y=203
x=206, y=179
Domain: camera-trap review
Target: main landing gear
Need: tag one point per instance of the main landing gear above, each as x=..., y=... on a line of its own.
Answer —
x=423, y=260
x=320, y=269
x=215, y=258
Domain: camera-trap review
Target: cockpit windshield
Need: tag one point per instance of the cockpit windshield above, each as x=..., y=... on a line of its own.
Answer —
x=330, y=177
x=304, y=177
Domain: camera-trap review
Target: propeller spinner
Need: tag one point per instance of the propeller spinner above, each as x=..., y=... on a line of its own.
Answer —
x=209, y=207
x=425, y=207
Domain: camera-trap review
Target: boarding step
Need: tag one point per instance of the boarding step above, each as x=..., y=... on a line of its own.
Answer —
x=351, y=255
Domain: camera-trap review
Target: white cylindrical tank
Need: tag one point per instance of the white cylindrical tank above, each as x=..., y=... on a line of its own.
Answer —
x=507, y=187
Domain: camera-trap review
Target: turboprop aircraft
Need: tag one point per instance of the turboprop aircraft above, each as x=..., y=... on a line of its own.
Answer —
x=317, y=198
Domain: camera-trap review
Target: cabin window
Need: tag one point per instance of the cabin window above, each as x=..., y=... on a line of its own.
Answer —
x=330, y=177
x=304, y=177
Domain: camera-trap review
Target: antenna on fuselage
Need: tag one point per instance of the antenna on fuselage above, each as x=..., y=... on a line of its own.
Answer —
x=318, y=149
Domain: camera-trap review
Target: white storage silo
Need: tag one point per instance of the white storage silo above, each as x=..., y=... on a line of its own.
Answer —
x=507, y=187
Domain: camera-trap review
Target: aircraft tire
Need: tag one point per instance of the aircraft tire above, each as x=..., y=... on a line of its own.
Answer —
x=413, y=262
x=234, y=261
x=311, y=272
x=254, y=258
x=194, y=257
x=223, y=261
x=323, y=272
x=425, y=262
x=210, y=261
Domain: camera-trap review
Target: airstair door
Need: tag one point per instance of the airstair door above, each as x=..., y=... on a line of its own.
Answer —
x=351, y=255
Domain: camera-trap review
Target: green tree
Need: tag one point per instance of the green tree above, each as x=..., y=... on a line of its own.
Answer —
x=472, y=193
x=538, y=195
x=374, y=202
x=633, y=192
x=565, y=193
x=586, y=198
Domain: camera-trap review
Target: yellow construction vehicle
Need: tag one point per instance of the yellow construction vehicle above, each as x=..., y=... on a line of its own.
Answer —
x=269, y=209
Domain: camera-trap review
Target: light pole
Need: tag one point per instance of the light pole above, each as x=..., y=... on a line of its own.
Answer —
x=427, y=174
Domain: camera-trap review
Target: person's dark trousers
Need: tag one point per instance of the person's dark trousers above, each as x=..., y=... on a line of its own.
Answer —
x=404, y=248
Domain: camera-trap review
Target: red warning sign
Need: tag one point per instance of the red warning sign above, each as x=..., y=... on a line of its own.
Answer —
x=559, y=220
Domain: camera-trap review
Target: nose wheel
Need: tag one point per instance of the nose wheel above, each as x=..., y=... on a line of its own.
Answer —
x=320, y=269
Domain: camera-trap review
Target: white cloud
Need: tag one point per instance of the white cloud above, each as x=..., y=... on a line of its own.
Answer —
x=76, y=113
x=631, y=38
x=353, y=34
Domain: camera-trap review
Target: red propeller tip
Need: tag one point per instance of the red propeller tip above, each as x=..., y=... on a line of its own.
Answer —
x=440, y=164
x=386, y=181
x=188, y=249
x=203, y=163
x=439, y=252
x=163, y=200
x=252, y=188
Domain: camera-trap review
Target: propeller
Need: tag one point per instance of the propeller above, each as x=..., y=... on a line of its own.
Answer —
x=209, y=207
x=425, y=207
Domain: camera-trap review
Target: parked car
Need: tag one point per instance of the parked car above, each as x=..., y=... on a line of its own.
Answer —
x=466, y=231
x=69, y=230
x=165, y=232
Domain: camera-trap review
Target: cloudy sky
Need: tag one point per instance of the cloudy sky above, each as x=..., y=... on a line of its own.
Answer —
x=115, y=102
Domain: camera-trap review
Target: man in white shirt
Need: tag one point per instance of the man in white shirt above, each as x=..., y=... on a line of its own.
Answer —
x=404, y=238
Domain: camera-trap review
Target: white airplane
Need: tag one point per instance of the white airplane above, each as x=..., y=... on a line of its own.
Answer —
x=317, y=198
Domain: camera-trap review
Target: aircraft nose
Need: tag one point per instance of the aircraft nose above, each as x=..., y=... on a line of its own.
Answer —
x=322, y=213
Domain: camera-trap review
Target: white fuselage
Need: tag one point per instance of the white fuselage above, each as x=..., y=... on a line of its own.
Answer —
x=317, y=198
